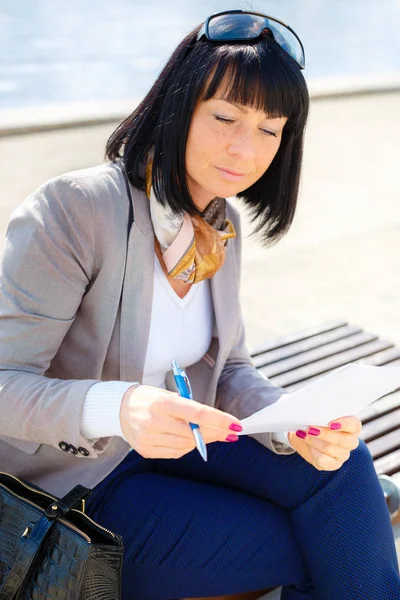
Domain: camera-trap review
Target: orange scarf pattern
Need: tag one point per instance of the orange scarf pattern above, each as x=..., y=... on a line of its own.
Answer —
x=193, y=248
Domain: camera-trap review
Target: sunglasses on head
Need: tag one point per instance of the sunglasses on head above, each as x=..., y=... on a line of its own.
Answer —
x=241, y=26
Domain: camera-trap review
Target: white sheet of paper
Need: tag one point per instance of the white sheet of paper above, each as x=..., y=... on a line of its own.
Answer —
x=343, y=392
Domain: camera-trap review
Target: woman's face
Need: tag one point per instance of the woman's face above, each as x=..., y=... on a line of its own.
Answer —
x=229, y=148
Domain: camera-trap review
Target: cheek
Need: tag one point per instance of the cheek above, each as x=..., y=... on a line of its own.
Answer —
x=201, y=147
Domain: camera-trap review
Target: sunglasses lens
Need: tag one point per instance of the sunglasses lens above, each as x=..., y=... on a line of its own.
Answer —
x=231, y=27
x=285, y=38
x=244, y=26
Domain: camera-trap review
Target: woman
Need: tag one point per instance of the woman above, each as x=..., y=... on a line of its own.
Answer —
x=110, y=273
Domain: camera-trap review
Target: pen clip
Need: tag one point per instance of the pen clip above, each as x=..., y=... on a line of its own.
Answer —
x=182, y=381
x=188, y=386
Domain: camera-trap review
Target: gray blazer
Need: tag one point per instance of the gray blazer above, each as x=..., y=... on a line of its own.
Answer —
x=75, y=309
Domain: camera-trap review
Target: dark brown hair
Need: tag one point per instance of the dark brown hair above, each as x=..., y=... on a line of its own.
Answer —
x=263, y=76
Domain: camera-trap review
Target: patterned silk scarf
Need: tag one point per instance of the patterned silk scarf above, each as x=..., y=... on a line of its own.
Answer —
x=193, y=248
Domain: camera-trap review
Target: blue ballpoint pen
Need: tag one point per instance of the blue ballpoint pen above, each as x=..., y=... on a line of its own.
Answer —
x=185, y=390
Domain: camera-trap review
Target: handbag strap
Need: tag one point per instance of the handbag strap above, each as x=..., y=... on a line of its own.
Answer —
x=37, y=533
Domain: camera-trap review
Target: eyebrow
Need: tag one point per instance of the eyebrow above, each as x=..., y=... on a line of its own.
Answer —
x=245, y=110
x=239, y=106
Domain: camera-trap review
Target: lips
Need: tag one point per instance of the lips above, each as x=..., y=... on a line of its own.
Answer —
x=231, y=171
x=230, y=174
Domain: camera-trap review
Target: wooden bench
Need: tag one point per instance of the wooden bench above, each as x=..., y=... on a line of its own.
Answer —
x=296, y=360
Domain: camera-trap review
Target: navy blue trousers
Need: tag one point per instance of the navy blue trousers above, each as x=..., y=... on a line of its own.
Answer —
x=249, y=519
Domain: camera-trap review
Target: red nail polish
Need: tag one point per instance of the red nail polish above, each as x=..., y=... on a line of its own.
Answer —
x=301, y=434
x=232, y=438
x=335, y=426
x=236, y=427
x=314, y=431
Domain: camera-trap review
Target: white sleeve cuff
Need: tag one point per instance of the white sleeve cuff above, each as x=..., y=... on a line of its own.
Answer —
x=101, y=408
x=281, y=437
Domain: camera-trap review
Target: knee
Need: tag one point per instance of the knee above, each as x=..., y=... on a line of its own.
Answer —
x=361, y=455
x=360, y=460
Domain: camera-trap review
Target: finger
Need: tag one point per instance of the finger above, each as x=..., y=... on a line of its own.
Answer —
x=195, y=412
x=348, y=441
x=172, y=425
x=164, y=452
x=323, y=462
x=341, y=454
x=347, y=424
x=169, y=440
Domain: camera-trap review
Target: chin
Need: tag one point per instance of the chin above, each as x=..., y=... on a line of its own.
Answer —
x=225, y=190
x=233, y=191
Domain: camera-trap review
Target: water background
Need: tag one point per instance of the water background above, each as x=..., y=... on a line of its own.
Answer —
x=52, y=51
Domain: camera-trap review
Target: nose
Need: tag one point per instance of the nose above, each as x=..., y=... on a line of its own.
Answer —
x=243, y=145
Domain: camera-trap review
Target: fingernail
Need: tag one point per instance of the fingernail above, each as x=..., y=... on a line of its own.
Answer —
x=301, y=434
x=236, y=427
x=335, y=426
x=314, y=431
x=232, y=438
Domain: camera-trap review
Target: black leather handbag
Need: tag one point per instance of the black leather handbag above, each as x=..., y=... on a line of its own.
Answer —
x=51, y=550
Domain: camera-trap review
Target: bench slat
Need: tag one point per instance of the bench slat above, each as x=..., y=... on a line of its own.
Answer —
x=385, y=444
x=380, y=407
x=267, y=358
x=380, y=426
x=317, y=354
x=383, y=358
x=296, y=337
x=394, y=363
x=389, y=464
x=287, y=380
x=368, y=360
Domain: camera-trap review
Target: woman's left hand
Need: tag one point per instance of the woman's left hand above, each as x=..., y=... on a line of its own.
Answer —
x=331, y=447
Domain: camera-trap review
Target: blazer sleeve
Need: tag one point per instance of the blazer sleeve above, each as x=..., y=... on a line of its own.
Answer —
x=47, y=263
x=241, y=389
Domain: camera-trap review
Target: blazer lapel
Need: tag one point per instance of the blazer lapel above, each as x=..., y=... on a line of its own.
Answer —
x=137, y=294
x=226, y=307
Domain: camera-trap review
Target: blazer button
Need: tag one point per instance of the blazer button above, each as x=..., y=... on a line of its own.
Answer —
x=64, y=446
x=83, y=451
x=72, y=449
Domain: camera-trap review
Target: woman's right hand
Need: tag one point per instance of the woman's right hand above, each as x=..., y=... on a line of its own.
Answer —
x=155, y=422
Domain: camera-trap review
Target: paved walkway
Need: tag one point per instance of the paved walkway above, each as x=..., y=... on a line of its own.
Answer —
x=341, y=259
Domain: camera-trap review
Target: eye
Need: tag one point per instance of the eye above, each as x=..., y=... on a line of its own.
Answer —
x=224, y=119
x=269, y=132
x=229, y=121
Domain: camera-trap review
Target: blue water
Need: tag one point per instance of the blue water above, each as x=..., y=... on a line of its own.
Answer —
x=80, y=50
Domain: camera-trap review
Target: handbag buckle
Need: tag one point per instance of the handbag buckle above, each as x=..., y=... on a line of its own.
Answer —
x=26, y=532
x=53, y=511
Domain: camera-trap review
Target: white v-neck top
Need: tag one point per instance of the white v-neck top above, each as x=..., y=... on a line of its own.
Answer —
x=181, y=328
